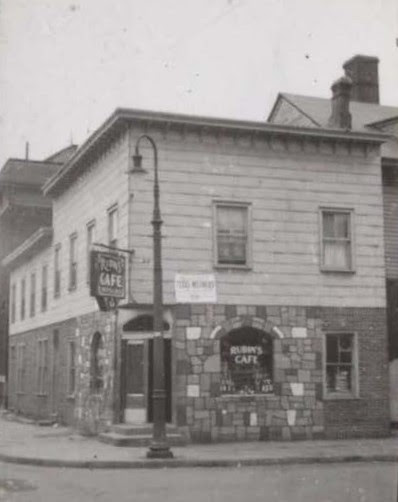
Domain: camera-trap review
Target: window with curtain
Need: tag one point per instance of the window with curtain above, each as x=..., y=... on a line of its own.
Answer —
x=57, y=270
x=337, y=252
x=232, y=234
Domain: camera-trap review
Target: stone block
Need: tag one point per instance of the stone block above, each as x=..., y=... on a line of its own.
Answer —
x=205, y=382
x=299, y=332
x=304, y=375
x=253, y=419
x=291, y=417
x=181, y=413
x=212, y=364
x=286, y=434
x=193, y=390
x=193, y=332
x=297, y=389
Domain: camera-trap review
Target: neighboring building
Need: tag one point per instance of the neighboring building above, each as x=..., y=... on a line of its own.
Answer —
x=366, y=114
x=286, y=222
x=23, y=209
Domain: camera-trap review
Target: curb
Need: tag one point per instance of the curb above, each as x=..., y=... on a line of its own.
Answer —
x=190, y=463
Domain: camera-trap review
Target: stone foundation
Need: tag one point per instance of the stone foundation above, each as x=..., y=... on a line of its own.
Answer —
x=298, y=408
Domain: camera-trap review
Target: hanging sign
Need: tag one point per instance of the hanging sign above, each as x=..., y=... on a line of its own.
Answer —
x=107, y=278
x=199, y=288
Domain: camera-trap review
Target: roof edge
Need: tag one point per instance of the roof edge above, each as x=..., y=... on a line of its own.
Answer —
x=121, y=115
x=33, y=243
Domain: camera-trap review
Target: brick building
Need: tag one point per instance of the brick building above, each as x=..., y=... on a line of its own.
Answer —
x=274, y=281
x=366, y=113
x=23, y=209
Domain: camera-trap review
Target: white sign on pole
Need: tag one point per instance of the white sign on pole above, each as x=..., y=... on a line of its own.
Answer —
x=199, y=288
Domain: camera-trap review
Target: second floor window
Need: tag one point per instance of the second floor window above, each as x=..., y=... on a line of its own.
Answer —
x=23, y=299
x=336, y=245
x=73, y=261
x=13, y=302
x=57, y=270
x=44, y=279
x=232, y=234
x=113, y=224
x=90, y=240
x=32, y=294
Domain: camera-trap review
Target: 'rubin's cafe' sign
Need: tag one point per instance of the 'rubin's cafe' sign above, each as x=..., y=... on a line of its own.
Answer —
x=108, y=276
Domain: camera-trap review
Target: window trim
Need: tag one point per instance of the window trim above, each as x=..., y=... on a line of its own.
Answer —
x=44, y=288
x=92, y=224
x=13, y=303
x=21, y=367
x=57, y=271
x=345, y=210
x=72, y=261
x=114, y=209
x=43, y=378
x=249, y=241
x=33, y=287
x=355, y=392
x=71, y=392
x=23, y=299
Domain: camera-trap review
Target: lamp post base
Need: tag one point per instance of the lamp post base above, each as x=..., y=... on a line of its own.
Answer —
x=159, y=450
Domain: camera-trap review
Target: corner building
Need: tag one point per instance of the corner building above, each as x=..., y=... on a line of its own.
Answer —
x=288, y=223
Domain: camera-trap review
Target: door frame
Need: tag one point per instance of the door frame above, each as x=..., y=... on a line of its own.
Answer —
x=137, y=338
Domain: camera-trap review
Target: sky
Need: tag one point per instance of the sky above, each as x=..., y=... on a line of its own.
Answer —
x=65, y=65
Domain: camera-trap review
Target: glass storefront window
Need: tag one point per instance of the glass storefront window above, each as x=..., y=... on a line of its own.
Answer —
x=246, y=362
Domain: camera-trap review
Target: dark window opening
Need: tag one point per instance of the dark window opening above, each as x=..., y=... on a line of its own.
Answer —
x=143, y=323
x=97, y=363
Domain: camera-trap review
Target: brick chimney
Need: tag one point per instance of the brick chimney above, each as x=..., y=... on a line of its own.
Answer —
x=341, y=116
x=363, y=71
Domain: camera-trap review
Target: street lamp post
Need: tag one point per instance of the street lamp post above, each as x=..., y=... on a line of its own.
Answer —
x=159, y=447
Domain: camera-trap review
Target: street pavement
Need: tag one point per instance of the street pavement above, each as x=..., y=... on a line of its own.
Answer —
x=337, y=482
x=29, y=443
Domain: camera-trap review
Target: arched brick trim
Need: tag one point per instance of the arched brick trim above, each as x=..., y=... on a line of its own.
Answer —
x=246, y=321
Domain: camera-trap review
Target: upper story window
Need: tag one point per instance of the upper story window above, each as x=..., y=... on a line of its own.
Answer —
x=13, y=302
x=232, y=236
x=32, y=294
x=341, y=365
x=73, y=261
x=337, y=240
x=57, y=270
x=44, y=285
x=90, y=240
x=23, y=298
x=113, y=225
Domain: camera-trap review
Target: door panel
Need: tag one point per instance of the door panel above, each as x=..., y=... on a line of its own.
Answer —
x=167, y=374
x=134, y=382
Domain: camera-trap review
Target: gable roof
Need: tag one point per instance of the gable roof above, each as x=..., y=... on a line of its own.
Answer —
x=319, y=110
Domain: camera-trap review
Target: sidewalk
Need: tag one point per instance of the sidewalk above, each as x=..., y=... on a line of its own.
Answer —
x=27, y=443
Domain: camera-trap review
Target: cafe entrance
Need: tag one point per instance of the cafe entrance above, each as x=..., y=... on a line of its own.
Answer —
x=137, y=370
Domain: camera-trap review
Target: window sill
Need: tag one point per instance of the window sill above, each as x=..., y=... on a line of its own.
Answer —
x=247, y=396
x=341, y=397
x=42, y=394
x=337, y=271
x=243, y=268
x=72, y=288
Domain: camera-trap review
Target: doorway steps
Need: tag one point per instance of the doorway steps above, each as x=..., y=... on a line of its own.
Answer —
x=138, y=435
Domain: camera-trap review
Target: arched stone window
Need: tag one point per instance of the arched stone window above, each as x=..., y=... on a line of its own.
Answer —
x=97, y=363
x=143, y=322
x=246, y=362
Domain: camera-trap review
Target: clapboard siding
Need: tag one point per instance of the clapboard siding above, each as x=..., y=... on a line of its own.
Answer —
x=89, y=198
x=390, y=194
x=285, y=192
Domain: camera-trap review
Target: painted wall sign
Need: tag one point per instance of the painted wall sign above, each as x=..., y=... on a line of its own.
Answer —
x=246, y=354
x=108, y=275
x=195, y=288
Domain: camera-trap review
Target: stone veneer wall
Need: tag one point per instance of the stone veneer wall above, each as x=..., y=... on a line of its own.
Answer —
x=95, y=411
x=297, y=410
